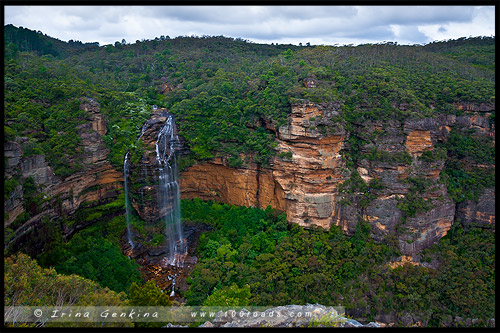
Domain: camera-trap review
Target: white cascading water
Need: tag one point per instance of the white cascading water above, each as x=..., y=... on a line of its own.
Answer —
x=172, y=277
x=127, y=200
x=169, y=194
x=144, y=128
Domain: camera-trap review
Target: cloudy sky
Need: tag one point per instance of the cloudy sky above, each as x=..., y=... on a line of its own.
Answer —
x=317, y=25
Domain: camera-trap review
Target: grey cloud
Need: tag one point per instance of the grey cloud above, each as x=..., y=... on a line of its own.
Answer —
x=377, y=33
x=243, y=15
x=411, y=33
x=415, y=14
x=13, y=12
x=107, y=24
x=317, y=27
x=313, y=12
x=205, y=14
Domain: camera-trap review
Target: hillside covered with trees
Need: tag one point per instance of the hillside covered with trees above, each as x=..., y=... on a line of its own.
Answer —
x=227, y=95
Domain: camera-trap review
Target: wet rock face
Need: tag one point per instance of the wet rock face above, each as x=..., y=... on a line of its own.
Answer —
x=303, y=178
x=97, y=183
x=144, y=174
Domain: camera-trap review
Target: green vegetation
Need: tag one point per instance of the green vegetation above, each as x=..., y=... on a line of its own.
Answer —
x=465, y=281
x=477, y=51
x=286, y=155
x=435, y=155
x=469, y=167
x=22, y=39
x=126, y=113
x=229, y=97
x=229, y=296
x=28, y=284
x=388, y=157
x=278, y=262
x=254, y=257
x=414, y=202
x=355, y=186
x=148, y=295
x=467, y=184
x=466, y=145
x=94, y=253
x=224, y=90
x=32, y=198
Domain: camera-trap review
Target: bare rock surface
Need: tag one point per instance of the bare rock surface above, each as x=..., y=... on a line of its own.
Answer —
x=288, y=316
x=303, y=178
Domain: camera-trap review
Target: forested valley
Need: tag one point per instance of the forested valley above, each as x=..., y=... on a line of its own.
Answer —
x=229, y=96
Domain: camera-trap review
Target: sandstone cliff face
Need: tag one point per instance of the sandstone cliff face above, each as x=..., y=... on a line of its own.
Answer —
x=96, y=183
x=303, y=179
x=480, y=213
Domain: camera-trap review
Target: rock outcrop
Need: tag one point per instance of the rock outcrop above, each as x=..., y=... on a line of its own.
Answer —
x=305, y=176
x=309, y=315
x=96, y=183
x=302, y=179
x=480, y=213
x=144, y=173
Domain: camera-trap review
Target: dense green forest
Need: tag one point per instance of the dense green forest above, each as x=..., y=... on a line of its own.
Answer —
x=222, y=90
x=254, y=257
x=225, y=87
x=271, y=262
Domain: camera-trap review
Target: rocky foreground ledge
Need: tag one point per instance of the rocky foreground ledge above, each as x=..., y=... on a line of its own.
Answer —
x=310, y=315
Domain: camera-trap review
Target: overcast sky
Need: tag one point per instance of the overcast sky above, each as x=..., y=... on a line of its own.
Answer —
x=318, y=25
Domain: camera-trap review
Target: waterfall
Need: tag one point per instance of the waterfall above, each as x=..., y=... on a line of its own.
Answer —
x=144, y=128
x=127, y=200
x=172, y=278
x=169, y=194
x=167, y=190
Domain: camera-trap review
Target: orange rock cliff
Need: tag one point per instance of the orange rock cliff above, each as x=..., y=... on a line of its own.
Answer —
x=304, y=179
